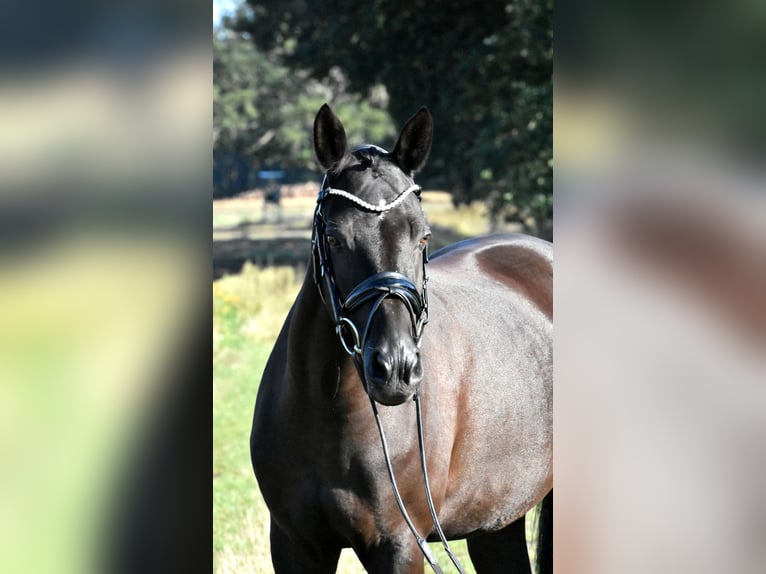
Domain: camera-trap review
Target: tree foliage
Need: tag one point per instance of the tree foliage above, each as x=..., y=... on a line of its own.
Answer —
x=482, y=68
x=263, y=112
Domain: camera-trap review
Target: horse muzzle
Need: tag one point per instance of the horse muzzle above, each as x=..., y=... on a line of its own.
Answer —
x=393, y=373
x=391, y=313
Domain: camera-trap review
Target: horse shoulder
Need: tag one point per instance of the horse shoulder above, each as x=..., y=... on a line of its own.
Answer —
x=274, y=428
x=268, y=388
x=267, y=413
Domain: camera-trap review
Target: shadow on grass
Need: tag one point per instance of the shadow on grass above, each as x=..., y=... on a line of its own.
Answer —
x=229, y=256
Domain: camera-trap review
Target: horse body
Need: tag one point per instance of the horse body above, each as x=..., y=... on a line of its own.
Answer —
x=482, y=370
x=501, y=395
x=315, y=447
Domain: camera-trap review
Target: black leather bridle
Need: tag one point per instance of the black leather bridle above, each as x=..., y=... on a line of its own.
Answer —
x=376, y=288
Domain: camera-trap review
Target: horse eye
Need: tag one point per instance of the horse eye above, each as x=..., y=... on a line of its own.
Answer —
x=333, y=241
x=424, y=241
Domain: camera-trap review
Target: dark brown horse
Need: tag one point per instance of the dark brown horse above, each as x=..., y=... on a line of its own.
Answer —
x=481, y=368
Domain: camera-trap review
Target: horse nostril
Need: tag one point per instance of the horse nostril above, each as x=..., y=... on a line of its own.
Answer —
x=413, y=373
x=401, y=367
x=380, y=368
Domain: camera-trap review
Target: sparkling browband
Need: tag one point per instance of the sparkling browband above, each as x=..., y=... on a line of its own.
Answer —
x=414, y=188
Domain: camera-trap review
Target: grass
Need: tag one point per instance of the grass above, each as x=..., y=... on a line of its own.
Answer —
x=235, y=217
x=466, y=220
x=242, y=231
x=249, y=309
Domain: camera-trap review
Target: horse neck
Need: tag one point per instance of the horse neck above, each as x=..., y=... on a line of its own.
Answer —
x=313, y=351
x=309, y=312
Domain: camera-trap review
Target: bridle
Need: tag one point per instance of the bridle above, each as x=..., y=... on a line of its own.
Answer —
x=376, y=288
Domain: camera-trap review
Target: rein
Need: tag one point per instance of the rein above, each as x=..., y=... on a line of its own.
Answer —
x=377, y=288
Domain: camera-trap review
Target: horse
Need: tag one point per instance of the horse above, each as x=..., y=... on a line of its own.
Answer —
x=467, y=335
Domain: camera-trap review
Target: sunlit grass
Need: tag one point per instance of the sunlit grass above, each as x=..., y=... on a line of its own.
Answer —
x=466, y=220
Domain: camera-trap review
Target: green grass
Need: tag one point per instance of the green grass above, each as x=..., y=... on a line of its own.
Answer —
x=248, y=311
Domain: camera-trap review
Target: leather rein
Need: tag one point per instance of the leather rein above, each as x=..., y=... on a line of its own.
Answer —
x=377, y=288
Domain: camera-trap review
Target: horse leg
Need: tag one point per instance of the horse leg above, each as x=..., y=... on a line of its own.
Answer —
x=290, y=556
x=501, y=551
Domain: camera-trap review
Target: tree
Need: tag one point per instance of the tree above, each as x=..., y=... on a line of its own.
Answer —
x=263, y=112
x=483, y=69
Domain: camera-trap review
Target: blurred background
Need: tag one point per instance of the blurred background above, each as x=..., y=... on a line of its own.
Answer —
x=106, y=179
x=484, y=72
x=485, y=75
x=105, y=185
x=660, y=213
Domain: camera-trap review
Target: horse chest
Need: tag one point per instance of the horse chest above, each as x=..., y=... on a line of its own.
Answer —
x=328, y=484
x=357, y=499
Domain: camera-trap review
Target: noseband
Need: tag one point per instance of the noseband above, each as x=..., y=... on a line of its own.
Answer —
x=375, y=288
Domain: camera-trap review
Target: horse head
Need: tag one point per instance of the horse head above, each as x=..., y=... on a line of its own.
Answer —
x=370, y=249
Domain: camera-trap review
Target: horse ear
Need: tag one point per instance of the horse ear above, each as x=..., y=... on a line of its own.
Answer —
x=329, y=137
x=414, y=143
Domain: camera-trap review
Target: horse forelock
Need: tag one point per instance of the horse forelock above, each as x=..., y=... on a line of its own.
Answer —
x=364, y=156
x=351, y=173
